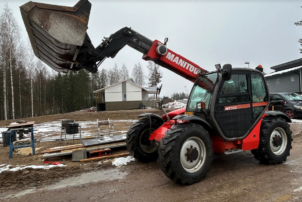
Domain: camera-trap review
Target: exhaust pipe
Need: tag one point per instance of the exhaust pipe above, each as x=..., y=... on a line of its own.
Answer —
x=57, y=33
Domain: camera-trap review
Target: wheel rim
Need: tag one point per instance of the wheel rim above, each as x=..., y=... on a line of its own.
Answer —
x=193, y=154
x=278, y=141
x=290, y=114
x=145, y=143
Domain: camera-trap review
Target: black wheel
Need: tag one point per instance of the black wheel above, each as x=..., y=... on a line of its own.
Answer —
x=137, y=140
x=186, y=153
x=275, y=141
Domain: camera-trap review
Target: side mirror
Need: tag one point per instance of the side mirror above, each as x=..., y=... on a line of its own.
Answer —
x=226, y=72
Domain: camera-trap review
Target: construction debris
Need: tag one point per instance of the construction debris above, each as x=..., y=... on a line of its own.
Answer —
x=78, y=155
x=69, y=152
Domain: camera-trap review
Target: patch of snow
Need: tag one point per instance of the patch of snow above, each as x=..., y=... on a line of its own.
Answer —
x=7, y=168
x=14, y=123
x=122, y=161
x=296, y=121
x=299, y=189
x=174, y=104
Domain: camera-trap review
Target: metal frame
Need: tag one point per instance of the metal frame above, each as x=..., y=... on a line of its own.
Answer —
x=12, y=147
x=110, y=129
x=63, y=130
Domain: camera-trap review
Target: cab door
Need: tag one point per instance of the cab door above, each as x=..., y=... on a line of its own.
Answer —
x=233, y=108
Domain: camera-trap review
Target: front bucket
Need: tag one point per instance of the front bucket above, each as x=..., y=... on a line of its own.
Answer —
x=56, y=33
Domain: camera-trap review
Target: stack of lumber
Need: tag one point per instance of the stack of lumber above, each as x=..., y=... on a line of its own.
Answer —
x=67, y=150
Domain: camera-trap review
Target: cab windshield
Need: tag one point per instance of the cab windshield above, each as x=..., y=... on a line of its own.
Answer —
x=202, y=91
x=293, y=97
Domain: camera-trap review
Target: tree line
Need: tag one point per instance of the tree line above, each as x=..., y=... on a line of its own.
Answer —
x=30, y=88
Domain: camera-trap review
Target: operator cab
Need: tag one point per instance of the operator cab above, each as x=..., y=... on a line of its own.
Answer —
x=230, y=100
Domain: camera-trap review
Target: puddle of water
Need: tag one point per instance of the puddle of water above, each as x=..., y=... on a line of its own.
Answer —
x=85, y=178
x=106, y=175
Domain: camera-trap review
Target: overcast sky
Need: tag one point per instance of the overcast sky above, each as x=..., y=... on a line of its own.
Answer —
x=205, y=32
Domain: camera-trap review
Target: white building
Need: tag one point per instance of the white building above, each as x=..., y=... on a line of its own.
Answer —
x=124, y=95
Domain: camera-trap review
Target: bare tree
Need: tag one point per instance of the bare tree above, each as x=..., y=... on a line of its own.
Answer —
x=138, y=74
x=31, y=67
x=11, y=33
x=124, y=73
x=114, y=75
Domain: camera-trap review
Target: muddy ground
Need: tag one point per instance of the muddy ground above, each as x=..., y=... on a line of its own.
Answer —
x=236, y=177
x=16, y=181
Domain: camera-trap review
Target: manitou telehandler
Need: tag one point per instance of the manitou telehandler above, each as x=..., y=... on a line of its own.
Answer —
x=226, y=111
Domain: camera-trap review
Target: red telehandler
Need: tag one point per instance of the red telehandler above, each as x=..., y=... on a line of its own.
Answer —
x=226, y=111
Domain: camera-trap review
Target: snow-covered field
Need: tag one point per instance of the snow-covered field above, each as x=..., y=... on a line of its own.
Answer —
x=45, y=131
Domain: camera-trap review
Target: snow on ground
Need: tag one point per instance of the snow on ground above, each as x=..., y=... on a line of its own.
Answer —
x=47, y=129
x=296, y=121
x=122, y=161
x=175, y=104
x=4, y=167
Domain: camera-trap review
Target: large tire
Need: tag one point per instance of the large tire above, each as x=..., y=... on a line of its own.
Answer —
x=275, y=141
x=137, y=140
x=186, y=153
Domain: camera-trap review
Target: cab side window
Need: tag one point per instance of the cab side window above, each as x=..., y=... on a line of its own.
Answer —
x=236, y=85
x=259, y=93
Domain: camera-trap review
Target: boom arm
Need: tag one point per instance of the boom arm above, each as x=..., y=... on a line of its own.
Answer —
x=155, y=51
x=58, y=37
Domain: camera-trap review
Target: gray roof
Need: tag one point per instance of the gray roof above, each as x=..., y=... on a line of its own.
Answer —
x=287, y=65
x=282, y=72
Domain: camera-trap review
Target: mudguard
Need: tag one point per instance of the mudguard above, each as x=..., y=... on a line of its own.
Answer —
x=154, y=116
x=278, y=113
x=194, y=119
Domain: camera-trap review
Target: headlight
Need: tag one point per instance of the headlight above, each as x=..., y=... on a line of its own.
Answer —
x=298, y=107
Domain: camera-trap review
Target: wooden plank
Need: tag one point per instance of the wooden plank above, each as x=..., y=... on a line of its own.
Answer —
x=66, y=146
x=99, y=150
x=52, y=150
x=105, y=157
x=97, y=146
x=21, y=124
x=114, y=145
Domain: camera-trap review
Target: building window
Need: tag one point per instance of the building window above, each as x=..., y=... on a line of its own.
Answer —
x=278, y=81
x=267, y=82
x=124, y=97
x=292, y=78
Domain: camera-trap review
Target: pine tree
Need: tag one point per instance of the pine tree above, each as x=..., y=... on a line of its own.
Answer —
x=154, y=74
x=103, y=79
x=299, y=23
